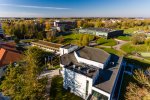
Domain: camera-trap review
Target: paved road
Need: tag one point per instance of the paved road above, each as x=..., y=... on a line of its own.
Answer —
x=49, y=74
x=120, y=43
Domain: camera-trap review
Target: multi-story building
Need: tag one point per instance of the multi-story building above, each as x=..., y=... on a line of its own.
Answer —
x=103, y=32
x=91, y=73
x=1, y=31
x=65, y=25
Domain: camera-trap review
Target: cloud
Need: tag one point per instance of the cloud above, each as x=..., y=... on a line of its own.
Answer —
x=35, y=7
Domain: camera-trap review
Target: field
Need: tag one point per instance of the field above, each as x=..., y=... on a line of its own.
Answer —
x=125, y=38
x=130, y=48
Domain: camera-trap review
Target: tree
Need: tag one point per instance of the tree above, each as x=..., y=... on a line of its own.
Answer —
x=85, y=40
x=22, y=82
x=47, y=26
x=139, y=90
x=134, y=92
x=138, y=38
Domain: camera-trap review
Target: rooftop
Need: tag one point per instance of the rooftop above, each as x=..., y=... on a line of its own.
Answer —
x=68, y=46
x=8, y=54
x=94, y=54
x=84, y=69
x=45, y=43
x=108, y=76
x=100, y=29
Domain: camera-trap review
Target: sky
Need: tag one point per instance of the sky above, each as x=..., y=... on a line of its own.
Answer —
x=74, y=8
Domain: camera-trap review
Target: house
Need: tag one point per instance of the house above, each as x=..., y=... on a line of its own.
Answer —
x=102, y=32
x=48, y=46
x=91, y=73
x=8, y=55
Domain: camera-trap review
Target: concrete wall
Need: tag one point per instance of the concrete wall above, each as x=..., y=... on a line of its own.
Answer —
x=77, y=83
x=66, y=51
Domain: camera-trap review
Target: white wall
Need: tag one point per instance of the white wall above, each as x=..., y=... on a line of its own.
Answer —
x=66, y=51
x=89, y=62
x=77, y=83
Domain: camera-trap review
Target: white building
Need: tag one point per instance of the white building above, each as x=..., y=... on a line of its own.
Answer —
x=91, y=73
x=47, y=46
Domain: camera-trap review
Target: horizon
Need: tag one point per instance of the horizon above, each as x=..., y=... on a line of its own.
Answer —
x=77, y=9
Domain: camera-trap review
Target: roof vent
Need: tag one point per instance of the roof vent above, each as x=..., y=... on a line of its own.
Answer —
x=79, y=68
x=74, y=66
x=87, y=71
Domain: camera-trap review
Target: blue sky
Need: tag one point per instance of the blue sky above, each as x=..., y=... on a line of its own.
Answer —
x=74, y=8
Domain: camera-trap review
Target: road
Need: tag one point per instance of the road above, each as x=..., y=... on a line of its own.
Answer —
x=120, y=43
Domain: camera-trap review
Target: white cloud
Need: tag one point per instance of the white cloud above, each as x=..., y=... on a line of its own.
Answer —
x=35, y=7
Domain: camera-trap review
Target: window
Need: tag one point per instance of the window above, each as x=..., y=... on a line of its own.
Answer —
x=98, y=96
x=87, y=86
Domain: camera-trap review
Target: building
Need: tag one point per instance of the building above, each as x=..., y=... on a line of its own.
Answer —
x=102, y=32
x=91, y=73
x=48, y=46
x=65, y=25
x=8, y=55
x=1, y=31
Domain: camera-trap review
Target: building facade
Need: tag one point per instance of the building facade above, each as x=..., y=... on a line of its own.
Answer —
x=65, y=25
x=91, y=73
x=102, y=32
x=1, y=31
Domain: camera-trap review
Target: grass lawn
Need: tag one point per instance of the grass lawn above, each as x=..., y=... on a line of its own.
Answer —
x=57, y=92
x=129, y=48
x=105, y=42
x=125, y=38
x=137, y=62
x=111, y=51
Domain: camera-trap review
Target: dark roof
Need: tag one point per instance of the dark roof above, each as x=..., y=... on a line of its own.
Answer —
x=94, y=54
x=86, y=70
x=108, y=76
x=67, y=46
x=100, y=29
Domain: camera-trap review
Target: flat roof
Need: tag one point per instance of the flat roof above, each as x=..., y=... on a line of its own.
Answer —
x=49, y=44
x=100, y=29
x=83, y=69
x=67, y=46
x=94, y=54
x=108, y=76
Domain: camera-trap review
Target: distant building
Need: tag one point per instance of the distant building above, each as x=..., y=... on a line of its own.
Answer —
x=8, y=55
x=48, y=46
x=1, y=31
x=103, y=32
x=91, y=73
x=65, y=25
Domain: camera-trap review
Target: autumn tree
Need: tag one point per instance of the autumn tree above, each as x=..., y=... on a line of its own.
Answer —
x=21, y=81
x=138, y=38
x=139, y=90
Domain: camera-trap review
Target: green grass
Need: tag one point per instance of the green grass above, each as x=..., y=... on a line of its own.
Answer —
x=129, y=48
x=111, y=51
x=137, y=62
x=57, y=92
x=105, y=42
x=125, y=38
